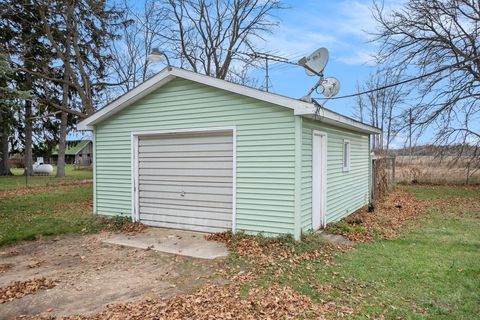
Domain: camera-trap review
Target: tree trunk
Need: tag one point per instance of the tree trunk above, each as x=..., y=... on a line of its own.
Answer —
x=28, y=139
x=62, y=139
x=4, y=158
x=62, y=143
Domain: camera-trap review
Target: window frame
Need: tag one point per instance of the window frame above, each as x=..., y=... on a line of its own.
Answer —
x=346, y=155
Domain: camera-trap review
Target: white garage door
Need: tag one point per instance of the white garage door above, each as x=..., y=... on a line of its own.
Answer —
x=185, y=181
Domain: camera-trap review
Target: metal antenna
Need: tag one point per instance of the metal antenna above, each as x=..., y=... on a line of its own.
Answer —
x=267, y=80
x=267, y=57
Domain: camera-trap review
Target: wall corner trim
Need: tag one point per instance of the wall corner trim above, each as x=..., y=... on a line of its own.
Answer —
x=298, y=178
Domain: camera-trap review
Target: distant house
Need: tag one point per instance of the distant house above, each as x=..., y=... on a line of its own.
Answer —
x=78, y=152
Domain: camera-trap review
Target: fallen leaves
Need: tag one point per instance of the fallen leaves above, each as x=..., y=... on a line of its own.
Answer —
x=279, y=251
x=19, y=289
x=122, y=225
x=385, y=222
x=217, y=302
x=5, y=267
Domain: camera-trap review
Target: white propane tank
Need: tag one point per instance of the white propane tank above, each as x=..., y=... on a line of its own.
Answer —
x=41, y=168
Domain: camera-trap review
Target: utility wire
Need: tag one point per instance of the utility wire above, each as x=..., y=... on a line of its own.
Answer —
x=402, y=82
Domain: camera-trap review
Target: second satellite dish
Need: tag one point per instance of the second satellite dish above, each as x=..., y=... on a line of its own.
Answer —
x=316, y=62
x=331, y=87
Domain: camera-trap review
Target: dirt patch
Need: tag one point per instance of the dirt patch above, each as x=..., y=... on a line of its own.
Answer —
x=93, y=274
x=23, y=191
x=19, y=289
x=386, y=222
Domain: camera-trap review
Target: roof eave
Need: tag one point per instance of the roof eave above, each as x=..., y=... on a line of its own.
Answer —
x=299, y=107
x=330, y=117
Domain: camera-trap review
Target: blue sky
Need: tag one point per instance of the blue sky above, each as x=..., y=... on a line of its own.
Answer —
x=343, y=27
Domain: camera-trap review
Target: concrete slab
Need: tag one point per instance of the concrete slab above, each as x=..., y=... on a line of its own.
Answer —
x=335, y=238
x=185, y=243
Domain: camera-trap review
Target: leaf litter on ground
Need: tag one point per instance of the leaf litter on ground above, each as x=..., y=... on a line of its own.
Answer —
x=19, y=289
x=278, y=255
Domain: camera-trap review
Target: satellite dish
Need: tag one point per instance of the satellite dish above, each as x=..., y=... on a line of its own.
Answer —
x=315, y=63
x=331, y=87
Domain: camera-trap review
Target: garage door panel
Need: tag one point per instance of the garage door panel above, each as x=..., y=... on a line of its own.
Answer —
x=187, y=148
x=199, y=164
x=185, y=181
x=185, y=154
x=187, y=159
x=187, y=189
x=186, y=172
x=184, y=226
x=185, y=203
x=187, y=197
x=174, y=183
x=153, y=206
x=180, y=140
x=151, y=213
x=194, y=222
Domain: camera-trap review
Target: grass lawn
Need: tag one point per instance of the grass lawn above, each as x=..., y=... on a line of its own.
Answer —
x=432, y=271
x=19, y=181
x=26, y=216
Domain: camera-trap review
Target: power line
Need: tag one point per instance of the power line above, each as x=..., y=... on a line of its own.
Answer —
x=403, y=81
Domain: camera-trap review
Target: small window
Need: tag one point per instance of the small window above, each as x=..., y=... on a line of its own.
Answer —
x=346, y=155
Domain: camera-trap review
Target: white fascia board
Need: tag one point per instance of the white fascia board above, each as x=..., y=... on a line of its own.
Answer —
x=330, y=117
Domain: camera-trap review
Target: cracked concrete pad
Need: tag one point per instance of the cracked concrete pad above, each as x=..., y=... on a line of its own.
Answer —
x=185, y=243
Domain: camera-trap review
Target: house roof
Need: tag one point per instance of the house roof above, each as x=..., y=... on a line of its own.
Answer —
x=302, y=108
x=73, y=147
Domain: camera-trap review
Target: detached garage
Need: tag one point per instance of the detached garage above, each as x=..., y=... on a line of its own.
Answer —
x=188, y=151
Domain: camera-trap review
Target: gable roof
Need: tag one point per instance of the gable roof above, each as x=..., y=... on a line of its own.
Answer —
x=73, y=147
x=299, y=107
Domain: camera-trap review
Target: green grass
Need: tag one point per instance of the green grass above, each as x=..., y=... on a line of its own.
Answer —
x=435, y=267
x=19, y=181
x=434, y=192
x=27, y=216
x=431, y=272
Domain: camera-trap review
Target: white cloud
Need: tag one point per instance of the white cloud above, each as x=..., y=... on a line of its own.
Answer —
x=359, y=56
x=341, y=26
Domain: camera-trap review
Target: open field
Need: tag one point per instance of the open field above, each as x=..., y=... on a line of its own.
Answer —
x=429, y=169
x=426, y=269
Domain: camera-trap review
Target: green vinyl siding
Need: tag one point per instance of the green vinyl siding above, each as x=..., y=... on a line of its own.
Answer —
x=265, y=150
x=346, y=191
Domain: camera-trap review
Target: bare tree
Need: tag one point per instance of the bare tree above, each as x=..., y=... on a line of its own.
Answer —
x=381, y=108
x=424, y=36
x=139, y=34
x=207, y=36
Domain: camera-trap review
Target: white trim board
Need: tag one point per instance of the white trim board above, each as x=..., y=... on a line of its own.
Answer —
x=319, y=199
x=166, y=75
x=134, y=178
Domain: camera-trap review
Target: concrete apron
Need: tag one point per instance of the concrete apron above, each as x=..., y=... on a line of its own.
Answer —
x=185, y=243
